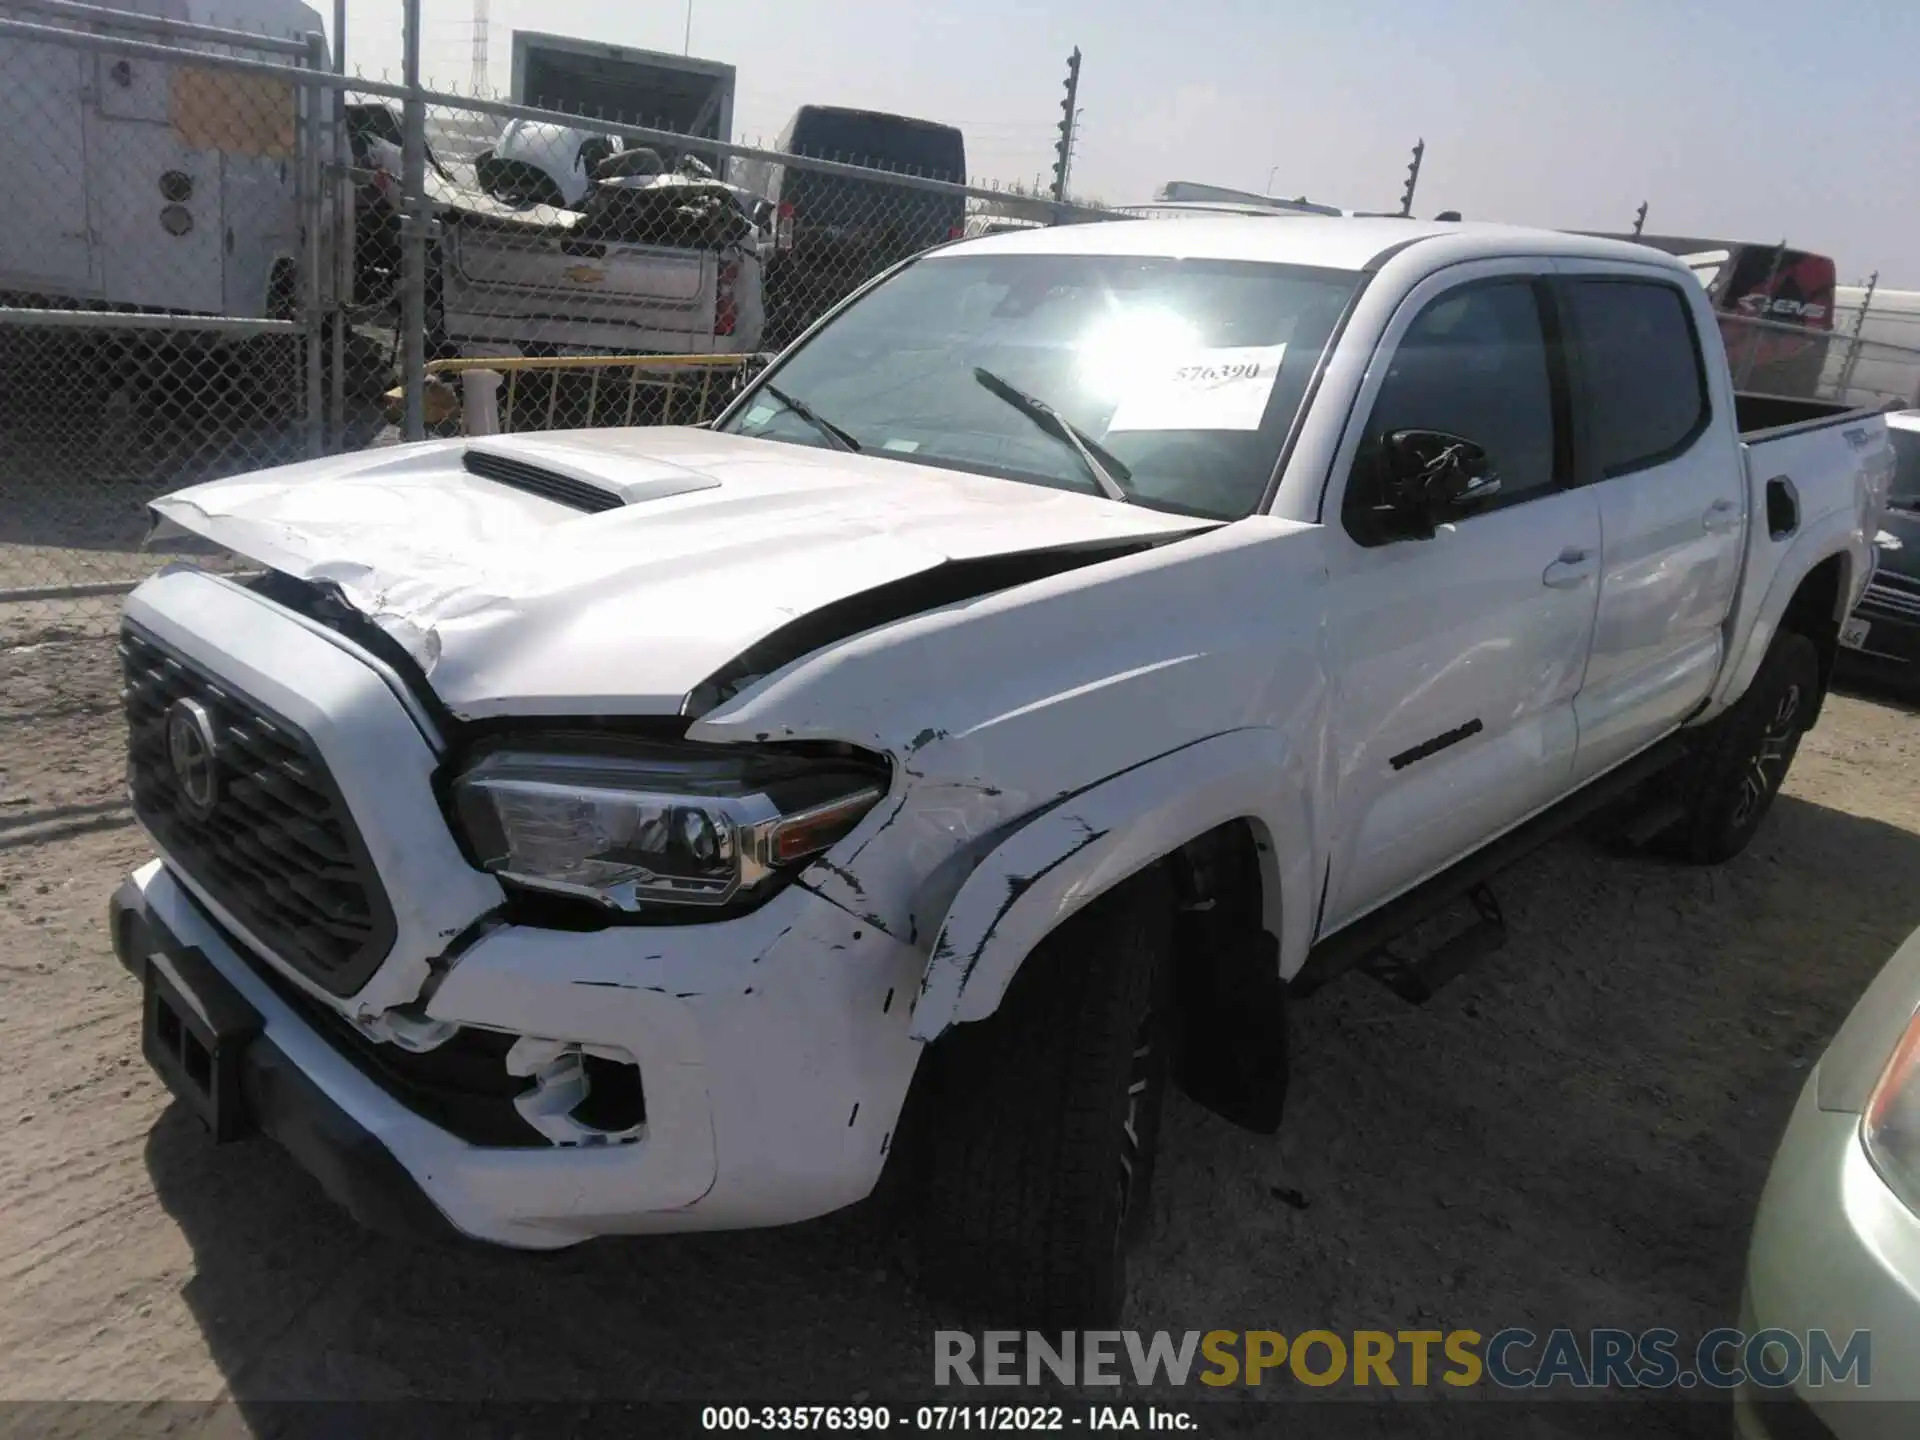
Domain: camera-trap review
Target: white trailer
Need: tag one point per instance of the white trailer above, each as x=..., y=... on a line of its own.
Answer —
x=140, y=184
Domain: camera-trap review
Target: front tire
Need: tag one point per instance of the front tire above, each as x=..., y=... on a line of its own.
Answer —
x=1752, y=748
x=1045, y=1118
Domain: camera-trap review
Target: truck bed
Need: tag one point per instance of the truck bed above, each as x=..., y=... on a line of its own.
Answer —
x=1815, y=472
x=1758, y=416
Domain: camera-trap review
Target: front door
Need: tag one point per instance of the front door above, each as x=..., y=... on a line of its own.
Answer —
x=1456, y=659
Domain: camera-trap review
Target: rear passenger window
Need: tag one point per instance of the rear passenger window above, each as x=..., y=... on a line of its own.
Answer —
x=1646, y=386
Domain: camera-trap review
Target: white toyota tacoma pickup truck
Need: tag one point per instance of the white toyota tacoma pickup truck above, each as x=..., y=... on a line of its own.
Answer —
x=1080, y=644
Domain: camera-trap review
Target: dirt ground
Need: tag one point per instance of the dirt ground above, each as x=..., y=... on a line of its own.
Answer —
x=1575, y=1133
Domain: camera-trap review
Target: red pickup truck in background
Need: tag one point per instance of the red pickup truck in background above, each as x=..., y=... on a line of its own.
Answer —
x=1790, y=291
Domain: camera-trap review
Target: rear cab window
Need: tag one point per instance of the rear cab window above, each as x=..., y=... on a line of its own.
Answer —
x=878, y=142
x=1644, y=376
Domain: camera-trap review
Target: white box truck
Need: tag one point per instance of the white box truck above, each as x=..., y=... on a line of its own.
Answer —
x=138, y=184
x=688, y=96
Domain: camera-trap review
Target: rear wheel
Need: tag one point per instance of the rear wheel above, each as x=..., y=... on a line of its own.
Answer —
x=1747, y=759
x=1044, y=1120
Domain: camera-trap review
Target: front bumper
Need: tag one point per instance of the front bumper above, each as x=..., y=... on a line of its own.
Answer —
x=1834, y=1249
x=772, y=1048
x=773, y=1051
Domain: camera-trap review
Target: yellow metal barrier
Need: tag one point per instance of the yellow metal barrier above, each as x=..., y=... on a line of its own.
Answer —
x=654, y=387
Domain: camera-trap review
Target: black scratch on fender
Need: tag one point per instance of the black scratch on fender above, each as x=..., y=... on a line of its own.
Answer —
x=881, y=829
x=942, y=957
x=611, y=985
x=1018, y=885
x=925, y=738
x=845, y=876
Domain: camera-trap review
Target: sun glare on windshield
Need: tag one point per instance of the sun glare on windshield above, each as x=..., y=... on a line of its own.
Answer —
x=1128, y=344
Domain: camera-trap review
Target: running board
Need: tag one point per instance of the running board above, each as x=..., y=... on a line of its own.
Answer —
x=1653, y=822
x=1418, y=979
x=1341, y=951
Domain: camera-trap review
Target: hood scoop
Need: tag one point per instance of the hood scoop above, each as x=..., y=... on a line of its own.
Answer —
x=577, y=489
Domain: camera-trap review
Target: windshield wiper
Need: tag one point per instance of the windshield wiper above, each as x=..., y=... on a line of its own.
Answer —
x=838, y=438
x=1105, y=468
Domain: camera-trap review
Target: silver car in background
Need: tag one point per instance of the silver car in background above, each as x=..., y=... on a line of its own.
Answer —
x=1836, y=1243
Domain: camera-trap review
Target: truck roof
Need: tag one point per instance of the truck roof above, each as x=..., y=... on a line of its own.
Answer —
x=1343, y=243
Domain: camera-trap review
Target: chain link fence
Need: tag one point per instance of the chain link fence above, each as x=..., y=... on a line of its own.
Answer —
x=1772, y=358
x=204, y=246
x=218, y=255
x=164, y=263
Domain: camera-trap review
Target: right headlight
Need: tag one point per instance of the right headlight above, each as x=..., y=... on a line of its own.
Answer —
x=1890, y=1130
x=634, y=825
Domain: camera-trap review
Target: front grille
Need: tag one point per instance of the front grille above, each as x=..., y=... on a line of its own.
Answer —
x=536, y=480
x=276, y=847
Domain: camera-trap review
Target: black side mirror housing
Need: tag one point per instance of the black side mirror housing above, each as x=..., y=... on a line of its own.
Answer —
x=1424, y=479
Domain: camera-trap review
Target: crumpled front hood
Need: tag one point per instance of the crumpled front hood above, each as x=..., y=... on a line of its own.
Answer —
x=515, y=603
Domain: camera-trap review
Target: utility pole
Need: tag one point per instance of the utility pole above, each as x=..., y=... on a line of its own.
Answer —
x=414, y=226
x=1640, y=220
x=1413, y=177
x=1069, y=119
x=477, y=81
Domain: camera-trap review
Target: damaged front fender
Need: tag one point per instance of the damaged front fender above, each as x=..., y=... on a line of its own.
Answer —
x=1096, y=839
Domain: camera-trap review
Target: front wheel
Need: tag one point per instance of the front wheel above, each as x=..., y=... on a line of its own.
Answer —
x=1044, y=1119
x=1752, y=747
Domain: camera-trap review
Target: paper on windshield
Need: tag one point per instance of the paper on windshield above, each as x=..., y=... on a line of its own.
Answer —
x=1218, y=389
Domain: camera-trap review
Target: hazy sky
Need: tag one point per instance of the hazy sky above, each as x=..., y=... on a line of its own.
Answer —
x=1750, y=120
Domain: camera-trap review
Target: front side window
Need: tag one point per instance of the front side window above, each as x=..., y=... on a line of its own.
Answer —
x=1181, y=377
x=1474, y=364
x=1640, y=363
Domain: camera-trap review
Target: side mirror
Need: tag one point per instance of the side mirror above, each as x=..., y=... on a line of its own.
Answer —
x=1426, y=479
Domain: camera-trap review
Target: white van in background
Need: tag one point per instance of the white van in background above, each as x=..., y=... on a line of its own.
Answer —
x=136, y=184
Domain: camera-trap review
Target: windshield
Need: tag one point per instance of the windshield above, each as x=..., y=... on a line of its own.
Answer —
x=1906, y=468
x=1188, y=372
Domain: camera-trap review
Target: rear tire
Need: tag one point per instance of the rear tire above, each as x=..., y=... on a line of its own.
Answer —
x=1044, y=1119
x=1733, y=783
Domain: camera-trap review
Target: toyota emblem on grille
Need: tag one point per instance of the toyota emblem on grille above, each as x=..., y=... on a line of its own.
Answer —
x=190, y=747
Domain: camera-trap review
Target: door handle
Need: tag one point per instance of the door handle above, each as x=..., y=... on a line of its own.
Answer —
x=1573, y=568
x=1720, y=517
